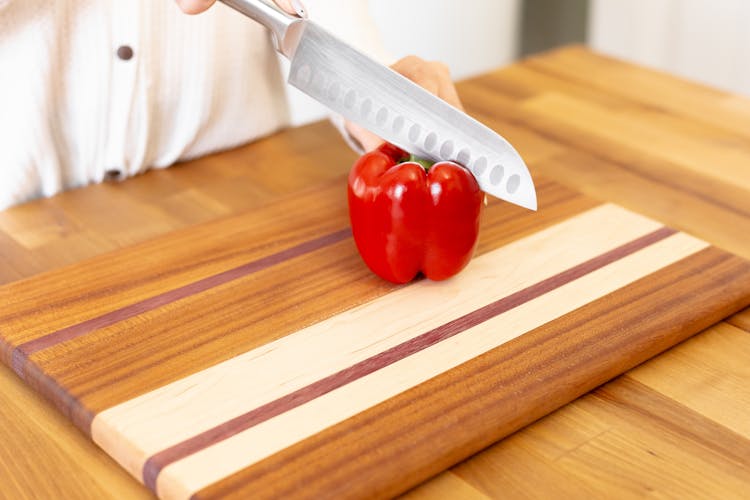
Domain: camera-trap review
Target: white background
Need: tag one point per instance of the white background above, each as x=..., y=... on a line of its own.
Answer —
x=703, y=40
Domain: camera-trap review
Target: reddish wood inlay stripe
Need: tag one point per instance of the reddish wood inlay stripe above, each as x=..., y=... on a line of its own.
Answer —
x=156, y=463
x=23, y=351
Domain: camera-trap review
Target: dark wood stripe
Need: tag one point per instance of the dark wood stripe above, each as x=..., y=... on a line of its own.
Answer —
x=72, y=294
x=156, y=463
x=23, y=351
x=421, y=432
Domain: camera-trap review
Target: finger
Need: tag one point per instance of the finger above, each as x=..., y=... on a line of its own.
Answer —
x=447, y=91
x=429, y=83
x=198, y=6
x=292, y=7
x=366, y=139
x=418, y=71
x=434, y=77
x=194, y=6
x=446, y=87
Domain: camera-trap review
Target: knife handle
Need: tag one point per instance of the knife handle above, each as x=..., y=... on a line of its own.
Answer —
x=286, y=29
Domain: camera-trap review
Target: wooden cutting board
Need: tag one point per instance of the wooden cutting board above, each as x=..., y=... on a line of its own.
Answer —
x=257, y=356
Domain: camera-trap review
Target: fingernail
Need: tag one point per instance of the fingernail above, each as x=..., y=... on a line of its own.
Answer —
x=299, y=9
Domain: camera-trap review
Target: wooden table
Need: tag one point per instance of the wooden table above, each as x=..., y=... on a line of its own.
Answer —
x=672, y=150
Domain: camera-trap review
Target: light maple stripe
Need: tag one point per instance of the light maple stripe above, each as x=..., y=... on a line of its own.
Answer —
x=137, y=429
x=193, y=473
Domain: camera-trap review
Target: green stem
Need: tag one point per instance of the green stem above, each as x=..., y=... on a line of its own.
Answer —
x=426, y=164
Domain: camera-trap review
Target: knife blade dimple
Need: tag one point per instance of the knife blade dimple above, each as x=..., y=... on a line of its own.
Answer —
x=496, y=175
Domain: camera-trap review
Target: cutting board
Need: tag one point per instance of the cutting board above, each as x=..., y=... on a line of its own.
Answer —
x=256, y=355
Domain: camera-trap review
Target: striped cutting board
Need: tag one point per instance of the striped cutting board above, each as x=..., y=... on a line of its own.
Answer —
x=257, y=356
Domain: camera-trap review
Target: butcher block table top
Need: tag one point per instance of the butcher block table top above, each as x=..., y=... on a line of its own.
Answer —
x=148, y=304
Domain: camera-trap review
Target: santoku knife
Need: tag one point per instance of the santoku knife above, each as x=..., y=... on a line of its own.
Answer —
x=390, y=105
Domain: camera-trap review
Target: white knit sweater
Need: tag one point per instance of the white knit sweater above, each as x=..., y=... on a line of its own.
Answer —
x=73, y=111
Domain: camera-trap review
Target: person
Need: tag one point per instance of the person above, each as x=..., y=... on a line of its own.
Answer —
x=98, y=90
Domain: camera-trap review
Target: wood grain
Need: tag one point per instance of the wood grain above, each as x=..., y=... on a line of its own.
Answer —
x=624, y=440
x=446, y=485
x=55, y=445
x=610, y=170
x=596, y=437
x=358, y=336
x=107, y=282
x=691, y=102
x=156, y=364
x=523, y=398
x=131, y=370
x=741, y=320
x=99, y=370
x=389, y=372
x=701, y=384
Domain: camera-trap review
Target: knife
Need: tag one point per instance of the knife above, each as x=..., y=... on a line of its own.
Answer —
x=390, y=105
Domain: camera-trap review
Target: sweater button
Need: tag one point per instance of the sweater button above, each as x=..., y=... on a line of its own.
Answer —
x=125, y=52
x=113, y=174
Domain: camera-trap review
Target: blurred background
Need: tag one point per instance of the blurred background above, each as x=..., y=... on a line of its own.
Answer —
x=703, y=40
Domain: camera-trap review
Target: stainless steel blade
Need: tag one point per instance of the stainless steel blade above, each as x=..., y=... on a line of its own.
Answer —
x=401, y=112
x=393, y=107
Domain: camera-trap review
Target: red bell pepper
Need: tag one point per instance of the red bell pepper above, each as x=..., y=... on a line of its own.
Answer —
x=409, y=216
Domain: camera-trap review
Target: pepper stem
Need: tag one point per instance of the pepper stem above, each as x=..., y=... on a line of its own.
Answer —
x=426, y=164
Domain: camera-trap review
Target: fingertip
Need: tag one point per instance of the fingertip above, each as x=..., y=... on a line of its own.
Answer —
x=292, y=7
x=453, y=99
x=364, y=137
x=442, y=68
x=194, y=6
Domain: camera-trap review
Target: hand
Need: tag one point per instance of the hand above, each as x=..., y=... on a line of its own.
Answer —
x=435, y=77
x=198, y=6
